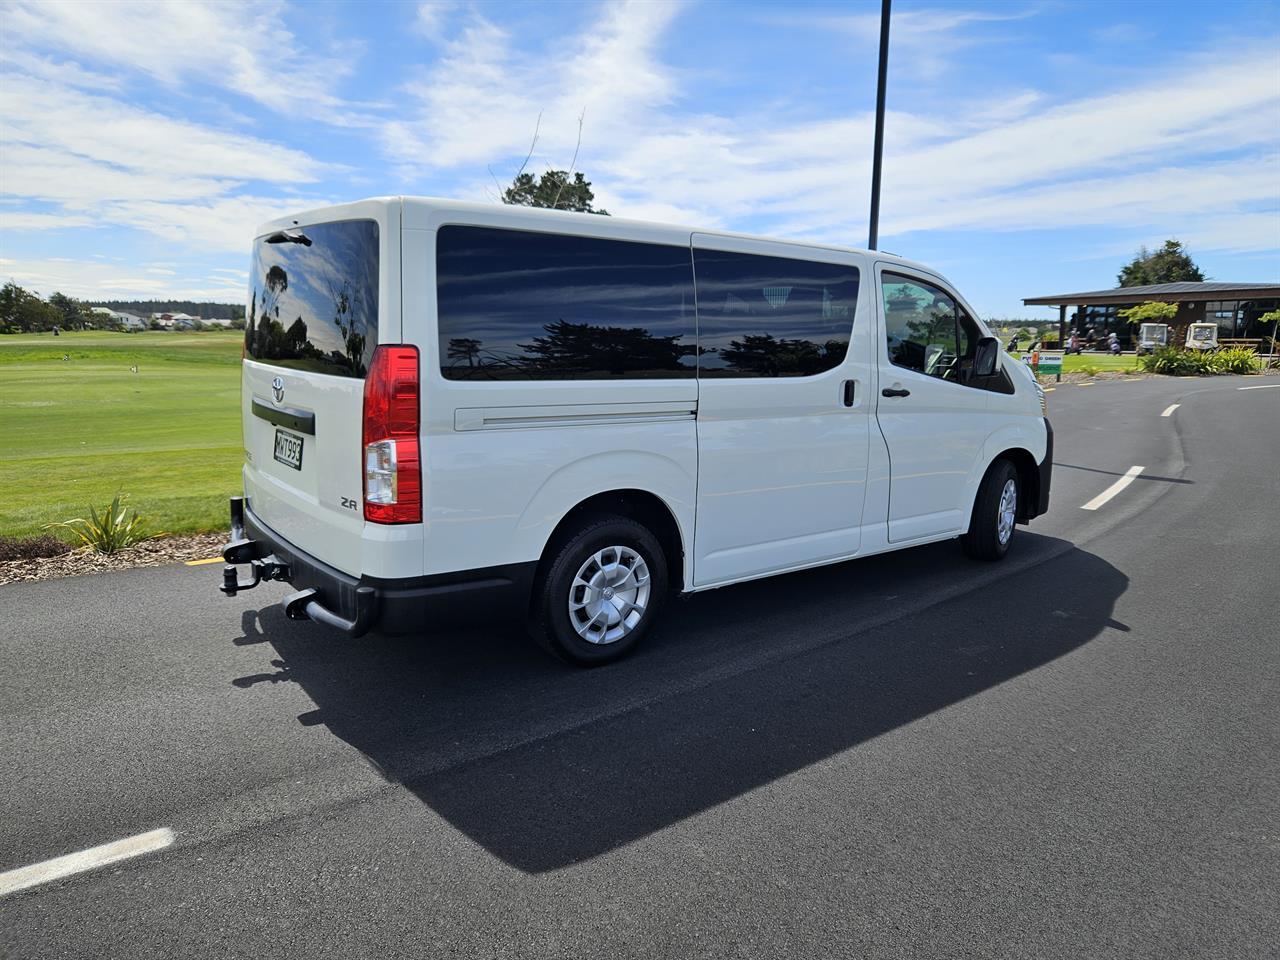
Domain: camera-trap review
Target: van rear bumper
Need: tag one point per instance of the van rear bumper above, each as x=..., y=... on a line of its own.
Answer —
x=356, y=605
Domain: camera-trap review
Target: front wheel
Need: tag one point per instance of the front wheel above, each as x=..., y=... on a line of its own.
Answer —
x=995, y=513
x=601, y=592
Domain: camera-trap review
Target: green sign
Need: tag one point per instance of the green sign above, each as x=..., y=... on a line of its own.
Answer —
x=1050, y=363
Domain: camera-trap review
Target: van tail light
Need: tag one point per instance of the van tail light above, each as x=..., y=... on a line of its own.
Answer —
x=392, y=465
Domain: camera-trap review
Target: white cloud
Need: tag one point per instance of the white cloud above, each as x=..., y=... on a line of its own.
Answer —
x=1150, y=154
x=245, y=47
x=480, y=102
x=1185, y=192
x=922, y=43
x=63, y=72
x=222, y=225
x=104, y=162
x=432, y=17
x=94, y=280
x=24, y=220
x=1189, y=149
x=108, y=131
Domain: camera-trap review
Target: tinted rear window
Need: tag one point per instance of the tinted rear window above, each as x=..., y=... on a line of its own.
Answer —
x=772, y=316
x=519, y=305
x=315, y=307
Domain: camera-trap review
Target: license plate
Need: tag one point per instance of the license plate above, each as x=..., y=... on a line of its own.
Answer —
x=289, y=449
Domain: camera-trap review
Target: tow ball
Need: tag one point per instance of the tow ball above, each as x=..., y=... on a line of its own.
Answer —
x=268, y=568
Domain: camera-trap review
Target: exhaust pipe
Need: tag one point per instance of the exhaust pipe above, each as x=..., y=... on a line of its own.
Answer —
x=305, y=605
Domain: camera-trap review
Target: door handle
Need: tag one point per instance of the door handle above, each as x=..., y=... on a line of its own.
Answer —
x=850, y=390
x=891, y=392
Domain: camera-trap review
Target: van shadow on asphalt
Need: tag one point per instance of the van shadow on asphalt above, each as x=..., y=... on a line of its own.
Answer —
x=546, y=765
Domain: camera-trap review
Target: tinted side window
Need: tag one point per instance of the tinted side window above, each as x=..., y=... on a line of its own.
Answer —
x=920, y=326
x=771, y=316
x=518, y=305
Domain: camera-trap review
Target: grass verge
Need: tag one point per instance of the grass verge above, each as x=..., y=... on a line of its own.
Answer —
x=79, y=425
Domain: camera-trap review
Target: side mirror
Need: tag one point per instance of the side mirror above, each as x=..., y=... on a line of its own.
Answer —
x=985, y=356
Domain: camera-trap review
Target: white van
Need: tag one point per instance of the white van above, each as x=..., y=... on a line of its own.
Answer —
x=454, y=407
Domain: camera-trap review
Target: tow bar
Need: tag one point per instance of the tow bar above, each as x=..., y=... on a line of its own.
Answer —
x=262, y=566
x=265, y=565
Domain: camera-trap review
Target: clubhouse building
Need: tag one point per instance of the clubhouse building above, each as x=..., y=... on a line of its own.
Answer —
x=1235, y=307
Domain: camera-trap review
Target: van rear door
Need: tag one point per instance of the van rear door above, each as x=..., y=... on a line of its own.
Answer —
x=318, y=307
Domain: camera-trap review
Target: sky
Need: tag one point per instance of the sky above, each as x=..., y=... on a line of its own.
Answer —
x=1030, y=147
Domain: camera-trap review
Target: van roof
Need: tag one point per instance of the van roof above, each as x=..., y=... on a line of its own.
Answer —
x=531, y=216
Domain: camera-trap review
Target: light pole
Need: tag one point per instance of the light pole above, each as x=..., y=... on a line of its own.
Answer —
x=874, y=233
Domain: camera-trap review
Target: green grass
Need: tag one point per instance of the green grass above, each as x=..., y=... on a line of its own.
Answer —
x=1073, y=363
x=76, y=431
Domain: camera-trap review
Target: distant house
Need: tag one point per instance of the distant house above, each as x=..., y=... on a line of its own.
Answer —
x=129, y=321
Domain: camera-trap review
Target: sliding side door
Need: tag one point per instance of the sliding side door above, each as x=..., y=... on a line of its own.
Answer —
x=783, y=408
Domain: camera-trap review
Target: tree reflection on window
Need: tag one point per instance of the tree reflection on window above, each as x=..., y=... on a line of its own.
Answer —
x=315, y=308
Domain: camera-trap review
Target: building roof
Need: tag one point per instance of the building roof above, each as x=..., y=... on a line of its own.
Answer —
x=1172, y=292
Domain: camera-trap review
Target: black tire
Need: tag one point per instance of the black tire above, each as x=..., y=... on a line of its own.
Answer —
x=983, y=542
x=550, y=619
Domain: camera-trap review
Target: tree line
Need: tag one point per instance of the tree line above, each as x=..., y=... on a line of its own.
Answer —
x=25, y=311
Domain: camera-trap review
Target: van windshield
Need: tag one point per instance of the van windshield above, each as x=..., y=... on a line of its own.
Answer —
x=313, y=298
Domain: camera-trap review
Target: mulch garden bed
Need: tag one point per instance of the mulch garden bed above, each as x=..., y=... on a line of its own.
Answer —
x=149, y=553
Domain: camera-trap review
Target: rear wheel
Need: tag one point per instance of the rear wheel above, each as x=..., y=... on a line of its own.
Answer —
x=601, y=591
x=995, y=513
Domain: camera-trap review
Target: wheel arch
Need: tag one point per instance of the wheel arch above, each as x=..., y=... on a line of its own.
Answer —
x=642, y=506
x=1028, y=477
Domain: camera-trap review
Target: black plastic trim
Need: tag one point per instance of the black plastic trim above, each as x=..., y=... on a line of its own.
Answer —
x=394, y=606
x=304, y=421
x=1046, y=471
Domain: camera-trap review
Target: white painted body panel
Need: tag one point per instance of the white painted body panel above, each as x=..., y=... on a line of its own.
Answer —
x=305, y=507
x=761, y=476
x=782, y=465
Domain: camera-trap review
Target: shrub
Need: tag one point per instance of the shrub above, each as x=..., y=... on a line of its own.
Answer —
x=30, y=548
x=1177, y=363
x=1089, y=369
x=1236, y=360
x=114, y=530
x=1201, y=363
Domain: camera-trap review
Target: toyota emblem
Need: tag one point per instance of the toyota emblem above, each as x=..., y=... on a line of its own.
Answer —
x=277, y=390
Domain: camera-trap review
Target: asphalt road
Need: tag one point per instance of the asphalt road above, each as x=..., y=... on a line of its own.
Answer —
x=1072, y=753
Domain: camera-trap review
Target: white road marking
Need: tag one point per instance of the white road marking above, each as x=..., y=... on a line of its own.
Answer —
x=91, y=859
x=1105, y=496
x=1263, y=386
x=1168, y=411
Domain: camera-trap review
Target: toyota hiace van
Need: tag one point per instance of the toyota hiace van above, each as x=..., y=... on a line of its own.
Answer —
x=452, y=406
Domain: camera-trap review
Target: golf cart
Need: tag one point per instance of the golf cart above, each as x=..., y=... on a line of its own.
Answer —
x=1152, y=336
x=1202, y=336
